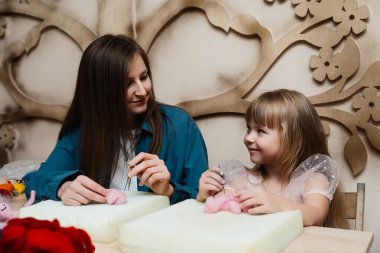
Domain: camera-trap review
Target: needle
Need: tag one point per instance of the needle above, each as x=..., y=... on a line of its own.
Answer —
x=222, y=175
x=129, y=178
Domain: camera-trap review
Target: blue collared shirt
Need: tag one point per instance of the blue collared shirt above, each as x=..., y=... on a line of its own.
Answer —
x=183, y=150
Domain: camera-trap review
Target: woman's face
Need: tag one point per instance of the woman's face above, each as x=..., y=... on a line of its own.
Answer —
x=139, y=86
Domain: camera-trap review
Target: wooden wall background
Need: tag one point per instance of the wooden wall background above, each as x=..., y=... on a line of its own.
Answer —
x=209, y=57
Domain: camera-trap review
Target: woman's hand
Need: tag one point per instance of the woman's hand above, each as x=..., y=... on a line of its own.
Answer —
x=210, y=183
x=81, y=191
x=152, y=172
x=259, y=201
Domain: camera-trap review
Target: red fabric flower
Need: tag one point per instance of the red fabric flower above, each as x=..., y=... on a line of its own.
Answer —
x=32, y=235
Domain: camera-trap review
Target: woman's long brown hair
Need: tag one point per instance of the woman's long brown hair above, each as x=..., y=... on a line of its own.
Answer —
x=99, y=107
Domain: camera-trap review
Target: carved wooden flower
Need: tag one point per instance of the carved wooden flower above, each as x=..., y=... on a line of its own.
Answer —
x=352, y=17
x=7, y=137
x=368, y=104
x=305, y=6
x=325, y=64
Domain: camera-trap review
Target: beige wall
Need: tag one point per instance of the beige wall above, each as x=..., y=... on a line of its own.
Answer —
x=191, y=59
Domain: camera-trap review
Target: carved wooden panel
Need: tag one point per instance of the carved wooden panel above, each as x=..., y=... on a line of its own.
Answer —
x=324, y=25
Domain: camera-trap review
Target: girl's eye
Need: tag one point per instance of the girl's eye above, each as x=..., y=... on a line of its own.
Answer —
x=260, y=131
x=249, y=130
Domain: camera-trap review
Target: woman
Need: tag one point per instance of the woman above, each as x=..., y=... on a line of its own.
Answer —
x=115, y=130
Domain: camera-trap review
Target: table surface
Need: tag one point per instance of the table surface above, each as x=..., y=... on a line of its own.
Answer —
x=321, y=239
x=312, y=240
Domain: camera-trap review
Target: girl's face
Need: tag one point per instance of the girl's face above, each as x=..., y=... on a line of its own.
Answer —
x=139, y=86
x=263, y=144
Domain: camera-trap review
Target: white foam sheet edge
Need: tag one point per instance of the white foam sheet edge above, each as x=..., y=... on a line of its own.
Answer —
x=185, y=228
x=100, y=221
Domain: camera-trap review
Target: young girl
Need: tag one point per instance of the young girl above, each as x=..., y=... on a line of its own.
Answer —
x=286, y=141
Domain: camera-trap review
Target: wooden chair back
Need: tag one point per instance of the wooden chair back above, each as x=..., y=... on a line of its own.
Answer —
x=355, y=207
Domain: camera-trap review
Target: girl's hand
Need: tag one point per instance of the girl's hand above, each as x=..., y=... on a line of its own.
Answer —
x=210, y=183
x=152, y=172
x=259, y=201
x=81, y=191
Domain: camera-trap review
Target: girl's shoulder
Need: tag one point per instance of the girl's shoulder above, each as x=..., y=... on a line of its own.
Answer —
x=317, y=174
x=317, y=163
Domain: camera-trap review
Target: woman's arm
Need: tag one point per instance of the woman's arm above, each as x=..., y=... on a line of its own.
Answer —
x=61, y=164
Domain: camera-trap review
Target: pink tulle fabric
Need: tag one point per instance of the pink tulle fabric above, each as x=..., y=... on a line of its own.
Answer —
x=116, y=197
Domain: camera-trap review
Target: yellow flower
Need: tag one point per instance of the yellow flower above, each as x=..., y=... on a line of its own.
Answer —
x=352, y=17
x=368, y=104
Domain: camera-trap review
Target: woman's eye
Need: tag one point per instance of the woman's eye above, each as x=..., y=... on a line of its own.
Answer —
x=144, y=77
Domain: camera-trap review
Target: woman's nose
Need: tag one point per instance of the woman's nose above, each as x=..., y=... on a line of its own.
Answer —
x=140, y=90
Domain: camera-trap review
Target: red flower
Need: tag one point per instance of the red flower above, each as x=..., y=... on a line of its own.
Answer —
x=32, y=235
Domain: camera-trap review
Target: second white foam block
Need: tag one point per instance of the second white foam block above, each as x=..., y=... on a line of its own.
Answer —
x=185, y=228
x=100, y=221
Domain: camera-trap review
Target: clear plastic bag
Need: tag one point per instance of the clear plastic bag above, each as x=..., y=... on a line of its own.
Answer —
x=17, y=169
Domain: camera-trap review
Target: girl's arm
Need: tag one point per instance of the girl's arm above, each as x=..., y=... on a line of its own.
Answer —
x=210, y=183
x=314, y=208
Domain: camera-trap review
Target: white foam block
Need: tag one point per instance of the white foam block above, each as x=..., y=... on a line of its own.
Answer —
x=101, y=221
x=185, y=228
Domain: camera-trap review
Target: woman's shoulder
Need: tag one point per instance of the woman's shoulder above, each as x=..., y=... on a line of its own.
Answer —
x=71, y=135
x=175, y=113
x=171, y=109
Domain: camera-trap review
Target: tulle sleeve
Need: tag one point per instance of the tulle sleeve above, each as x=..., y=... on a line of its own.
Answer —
x=234, y=174
x=317, y=174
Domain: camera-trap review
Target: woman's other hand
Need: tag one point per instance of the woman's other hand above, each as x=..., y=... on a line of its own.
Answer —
x=81, y=191
x=152, y=172
x=210, y=183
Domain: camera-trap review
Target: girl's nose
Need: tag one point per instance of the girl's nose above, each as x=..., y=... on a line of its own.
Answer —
x=249, y=137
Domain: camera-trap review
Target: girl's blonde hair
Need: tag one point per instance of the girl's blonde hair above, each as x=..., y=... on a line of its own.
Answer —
x=302, y=135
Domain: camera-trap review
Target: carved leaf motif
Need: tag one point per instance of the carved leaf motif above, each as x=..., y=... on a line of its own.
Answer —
x=373, y=134
x=372, y=76
x=323, y=37
x=217, y=15
x=350, y=58
x=33, y=37
x=356, y=154
x=245, y=24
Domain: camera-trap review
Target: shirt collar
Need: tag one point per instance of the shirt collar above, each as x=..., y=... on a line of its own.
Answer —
x=146, y=127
